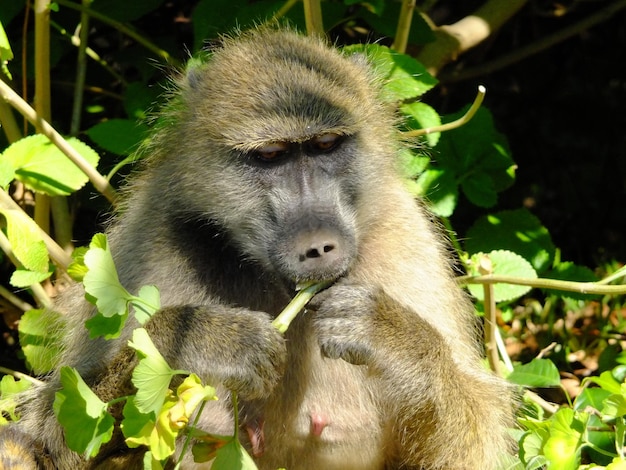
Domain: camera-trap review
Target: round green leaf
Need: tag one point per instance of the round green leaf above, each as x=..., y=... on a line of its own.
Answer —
x=40, y=333
x=152, y=375
x=41, y=166
x=118, y=136
x=26, y=241
x=439, y=189
x=536, y=373
x=404, y=77
x=518, y=231
x=505, y=263
x=101, y=282
x=422, y=116
x=84, y=417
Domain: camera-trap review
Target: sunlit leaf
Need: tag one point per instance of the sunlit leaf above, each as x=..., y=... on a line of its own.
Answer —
x=228, y=453
x=83, y=416
x=41, y=166
x=605, y=381
x=152, y=375
x=504, y=263
x=518, y=231
x=26, y=241
x=41, y=335
x=536, y=373
x=404, y=76
x=146, y=304
x=562, y=449
x=440, y=191
x=9, y=388
x=422, y=116
x=101, y=281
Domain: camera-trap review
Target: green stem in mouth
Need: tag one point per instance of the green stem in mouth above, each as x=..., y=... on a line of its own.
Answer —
x=305, y=294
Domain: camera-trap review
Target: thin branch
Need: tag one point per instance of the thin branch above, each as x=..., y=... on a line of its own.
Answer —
x=75, y=40
x=14, y=299
x=542, y=44
x=404, y=26
x=485, y=267
x=42, y=104
x=8, y=123
x=542, y=283
x=455, y=39
x=478, y=101
x=57, y=254
x=124, y=29
x=37, y=289
x=20, y=375
x=81, y=71
x=99, y=182
x=313, y=17
x=546, y=405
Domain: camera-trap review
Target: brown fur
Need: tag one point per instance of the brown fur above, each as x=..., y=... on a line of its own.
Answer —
x=382, y=370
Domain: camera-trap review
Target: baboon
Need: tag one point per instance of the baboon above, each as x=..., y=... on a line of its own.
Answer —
x=275, y=163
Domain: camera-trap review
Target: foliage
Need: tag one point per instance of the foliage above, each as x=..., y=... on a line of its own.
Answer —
x=470, y=165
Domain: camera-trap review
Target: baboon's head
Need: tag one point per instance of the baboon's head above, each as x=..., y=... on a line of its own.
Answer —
x=282, y=136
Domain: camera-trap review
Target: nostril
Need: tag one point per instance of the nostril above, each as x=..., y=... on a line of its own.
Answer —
x=313, y=253
x=317, y=251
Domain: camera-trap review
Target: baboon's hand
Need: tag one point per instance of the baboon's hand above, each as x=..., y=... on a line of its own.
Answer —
x=238, y=348
x=258, y=355
x=344, y=319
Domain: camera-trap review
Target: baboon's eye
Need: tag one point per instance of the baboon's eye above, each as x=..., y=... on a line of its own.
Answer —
x=272, y=151
x=325, y=142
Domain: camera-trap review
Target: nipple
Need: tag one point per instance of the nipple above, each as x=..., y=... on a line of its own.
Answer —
x=318, y=423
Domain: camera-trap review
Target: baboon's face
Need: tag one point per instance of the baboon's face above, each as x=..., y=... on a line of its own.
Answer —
x=310, y=198
x=278, y=130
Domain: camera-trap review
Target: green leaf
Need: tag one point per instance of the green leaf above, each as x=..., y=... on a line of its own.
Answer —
x=233, y=456
x=593, y=397
x=518, y=231
x=230, y=455
x=41, y=166
x=9, y=388
x=23, y=278
x=536, y=373
x=83, y=416
x=606, y=381
x=480, y=190
x=41, y=338
x=147, y=303
x=531, y=448
x=77, y=268
x=439, y=189
x=6, y=54
x=504, y=263
x=562, y=449
x=118, y=136
x=107, y=327
x=7, y=172
x=478, y=158
x=101, y=281
x=422, y=116
x=386, y=23
x=412, y=164
x=26, y=242
x=615, y=406
x=404, y=77
x=152, y=375
x=139, y=97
